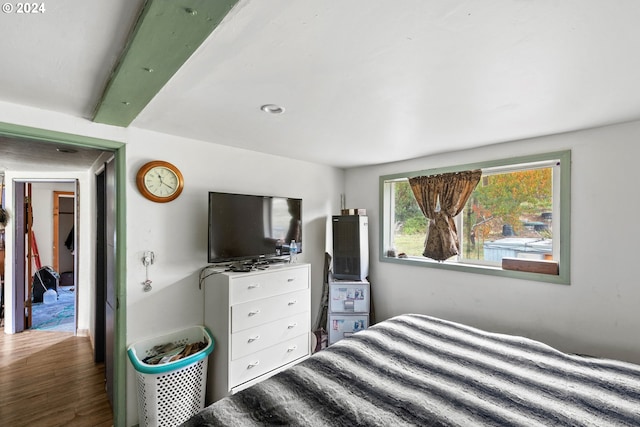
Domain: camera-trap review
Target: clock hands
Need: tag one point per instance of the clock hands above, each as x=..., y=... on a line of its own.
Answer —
x=164, y=183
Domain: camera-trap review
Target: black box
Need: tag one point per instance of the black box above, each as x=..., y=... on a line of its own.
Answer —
x=350, y=247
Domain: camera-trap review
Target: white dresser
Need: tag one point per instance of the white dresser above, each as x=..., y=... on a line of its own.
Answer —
x=261, y=324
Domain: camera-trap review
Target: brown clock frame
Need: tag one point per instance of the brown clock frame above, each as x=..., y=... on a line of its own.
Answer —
x=142, y=172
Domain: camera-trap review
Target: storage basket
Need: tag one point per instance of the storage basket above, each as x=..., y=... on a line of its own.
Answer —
x=171, y=393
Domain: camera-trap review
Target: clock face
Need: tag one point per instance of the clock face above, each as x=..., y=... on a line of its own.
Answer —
x=159, y=181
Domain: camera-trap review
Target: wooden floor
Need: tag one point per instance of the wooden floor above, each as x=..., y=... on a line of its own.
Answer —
x=50, y=379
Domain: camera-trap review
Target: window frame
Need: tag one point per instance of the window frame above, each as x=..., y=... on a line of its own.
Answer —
x=564, y=248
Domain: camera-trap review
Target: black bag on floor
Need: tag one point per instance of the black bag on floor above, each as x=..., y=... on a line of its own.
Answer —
x=44, y=279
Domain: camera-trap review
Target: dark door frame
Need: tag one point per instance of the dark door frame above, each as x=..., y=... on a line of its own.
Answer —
x=19, y=132
x=101, y=265
x=19, y=262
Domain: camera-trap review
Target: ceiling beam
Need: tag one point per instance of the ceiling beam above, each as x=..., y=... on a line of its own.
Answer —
x=165, y=36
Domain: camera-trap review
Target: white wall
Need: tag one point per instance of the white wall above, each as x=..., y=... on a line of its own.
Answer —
x=177, y=231
x=597, y=313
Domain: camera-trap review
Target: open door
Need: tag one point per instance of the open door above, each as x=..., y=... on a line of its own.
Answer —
x=106, y=304
x=101, y=269
x=110, y=295
x=19, y=261
x=26, y=257
x=32, y=254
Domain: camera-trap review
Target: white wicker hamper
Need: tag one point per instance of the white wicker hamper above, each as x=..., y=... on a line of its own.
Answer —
x=171, y=393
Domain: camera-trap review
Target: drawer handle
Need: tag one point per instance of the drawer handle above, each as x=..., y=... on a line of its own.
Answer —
x=253, y=364
x=252, y=339
x=291, y=279
x=254, y=312
x=294, y=302
x=292, y=348
x=291, y=326
x=253, y=286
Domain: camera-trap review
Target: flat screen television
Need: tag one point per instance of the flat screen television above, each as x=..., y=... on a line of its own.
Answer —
x=252, y=227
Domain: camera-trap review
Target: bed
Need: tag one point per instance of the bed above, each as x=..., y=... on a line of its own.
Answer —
x=419, y=370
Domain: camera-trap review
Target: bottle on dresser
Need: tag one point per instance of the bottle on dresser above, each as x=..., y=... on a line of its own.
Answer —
x=293, y=251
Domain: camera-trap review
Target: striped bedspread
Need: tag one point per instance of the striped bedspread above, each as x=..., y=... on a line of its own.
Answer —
x=419, y=370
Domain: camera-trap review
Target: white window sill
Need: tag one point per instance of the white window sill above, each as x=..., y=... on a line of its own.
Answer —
x=477, y=269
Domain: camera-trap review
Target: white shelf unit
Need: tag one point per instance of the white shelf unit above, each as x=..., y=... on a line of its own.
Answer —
x=261, y=323
x=349, y=305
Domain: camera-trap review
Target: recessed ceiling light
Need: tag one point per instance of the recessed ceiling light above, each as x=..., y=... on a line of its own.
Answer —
x=66, y=150
x=272, y=109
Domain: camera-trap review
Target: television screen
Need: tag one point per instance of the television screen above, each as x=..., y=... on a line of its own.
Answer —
x=243, y=226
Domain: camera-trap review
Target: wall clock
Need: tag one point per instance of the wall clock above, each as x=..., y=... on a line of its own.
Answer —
x=160, y=181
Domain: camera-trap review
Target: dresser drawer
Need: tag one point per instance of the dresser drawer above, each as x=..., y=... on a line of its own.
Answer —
x=255, y=313
x=256, y=364
x=263, y=336
x=266, y=284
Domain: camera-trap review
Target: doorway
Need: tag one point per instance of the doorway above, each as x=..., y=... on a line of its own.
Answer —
x=64, y=212
x=49, y=284
x=48, y=140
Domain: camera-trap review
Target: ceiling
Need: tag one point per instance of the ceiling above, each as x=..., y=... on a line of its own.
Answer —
x=38, y=156
x=361, y=81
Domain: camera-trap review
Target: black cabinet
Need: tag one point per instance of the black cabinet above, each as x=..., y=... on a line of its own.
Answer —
x=350, y=247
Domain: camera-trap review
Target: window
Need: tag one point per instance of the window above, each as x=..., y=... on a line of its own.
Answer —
x=515, y=223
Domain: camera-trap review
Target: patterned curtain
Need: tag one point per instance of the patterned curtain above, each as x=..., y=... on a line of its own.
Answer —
x=441, y=198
